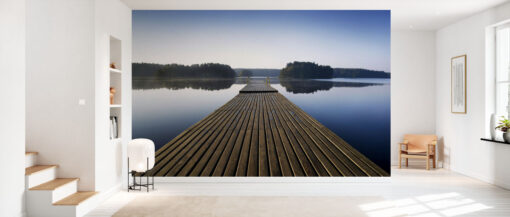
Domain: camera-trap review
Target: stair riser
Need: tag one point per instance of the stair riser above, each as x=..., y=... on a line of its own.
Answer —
x=30, y=160
x=36, y=207
x=40, y=177
x=87, y=206
x=64, y=191
x=38, y=204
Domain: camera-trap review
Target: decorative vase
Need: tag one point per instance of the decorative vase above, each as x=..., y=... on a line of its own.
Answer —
x=506, y=137
x=112, y=94
x=493, y=126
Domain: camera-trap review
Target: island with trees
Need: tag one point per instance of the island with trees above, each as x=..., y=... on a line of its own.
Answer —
x=306, y=70
x=170, y=71
x=146, y=69
x=359, y=73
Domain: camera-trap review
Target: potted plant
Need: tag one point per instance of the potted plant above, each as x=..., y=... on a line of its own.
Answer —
x=504, y=126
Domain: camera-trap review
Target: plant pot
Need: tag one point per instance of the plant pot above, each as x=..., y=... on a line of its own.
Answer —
x=506, y=137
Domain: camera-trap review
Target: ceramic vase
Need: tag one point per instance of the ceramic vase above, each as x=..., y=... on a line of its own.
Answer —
x=112, y=95
x=506, y=137
x=493, y=126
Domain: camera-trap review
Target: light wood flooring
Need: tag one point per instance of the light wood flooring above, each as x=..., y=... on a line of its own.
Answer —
x=409, y=192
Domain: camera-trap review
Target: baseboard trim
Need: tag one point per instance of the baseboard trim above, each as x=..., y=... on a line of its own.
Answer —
x=272, y=179
x=482, y=178
x=110, y=192
x=502, y=184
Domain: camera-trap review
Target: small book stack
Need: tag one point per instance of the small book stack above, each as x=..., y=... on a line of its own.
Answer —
x=114, y=130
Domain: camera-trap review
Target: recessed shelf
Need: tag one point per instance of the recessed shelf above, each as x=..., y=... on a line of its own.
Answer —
x=115, y=70
x=115, y=79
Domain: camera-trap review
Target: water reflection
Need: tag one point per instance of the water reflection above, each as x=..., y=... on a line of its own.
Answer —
x=291, y=86
x=357, y=110
x=176, y=84
x=312, y=85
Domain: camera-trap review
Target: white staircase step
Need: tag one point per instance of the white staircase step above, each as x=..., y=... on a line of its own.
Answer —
x=76, y=198
x=49, y=196
x=30, y=158
x=39, y=174
x=54, y=184
x=57, y=189
x=77, y=204
x=37, y=169
x=74, y=205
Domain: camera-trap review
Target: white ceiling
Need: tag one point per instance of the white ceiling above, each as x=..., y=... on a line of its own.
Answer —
x=406, y=14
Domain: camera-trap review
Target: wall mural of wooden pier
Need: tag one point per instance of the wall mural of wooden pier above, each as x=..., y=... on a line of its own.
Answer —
x=261, y=133
x=263, y=93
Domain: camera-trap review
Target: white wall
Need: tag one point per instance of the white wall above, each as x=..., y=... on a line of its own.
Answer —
x=60, y=72
x=12, y=111
x=67, y=61
x=112, y=17
x=412, y=85
x=461, y=133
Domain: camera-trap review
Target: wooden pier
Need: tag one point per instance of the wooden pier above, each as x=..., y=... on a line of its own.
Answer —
x=258, y=86
x=260, y=133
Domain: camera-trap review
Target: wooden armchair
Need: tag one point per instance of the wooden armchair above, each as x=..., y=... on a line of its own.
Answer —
x=418, y=146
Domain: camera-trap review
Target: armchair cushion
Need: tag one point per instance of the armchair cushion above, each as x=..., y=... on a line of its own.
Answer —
x=419, y=143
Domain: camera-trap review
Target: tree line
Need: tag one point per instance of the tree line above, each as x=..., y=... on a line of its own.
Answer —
x=305, y=70
x=206, y=70
x=295, y=70
x=359, y=73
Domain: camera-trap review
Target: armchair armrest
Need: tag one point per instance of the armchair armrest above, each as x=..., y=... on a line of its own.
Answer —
x=432, y=147
x=403, y=145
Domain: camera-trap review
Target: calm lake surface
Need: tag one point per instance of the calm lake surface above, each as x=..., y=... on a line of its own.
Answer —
x=358, y=110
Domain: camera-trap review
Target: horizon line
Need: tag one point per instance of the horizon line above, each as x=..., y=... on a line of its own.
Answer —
x=334, y=67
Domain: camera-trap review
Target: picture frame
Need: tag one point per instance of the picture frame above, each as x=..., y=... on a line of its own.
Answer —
x=459, y=84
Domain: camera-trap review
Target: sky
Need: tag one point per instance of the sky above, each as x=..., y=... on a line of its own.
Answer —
x=263, y=39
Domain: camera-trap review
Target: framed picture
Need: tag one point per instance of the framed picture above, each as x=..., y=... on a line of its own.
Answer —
x=459, y=98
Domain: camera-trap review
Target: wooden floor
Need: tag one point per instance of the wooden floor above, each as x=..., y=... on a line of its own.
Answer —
x=260, y=133
x=411, y=192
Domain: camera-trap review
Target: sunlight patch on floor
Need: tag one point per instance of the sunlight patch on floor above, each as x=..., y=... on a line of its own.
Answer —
x=431, y=205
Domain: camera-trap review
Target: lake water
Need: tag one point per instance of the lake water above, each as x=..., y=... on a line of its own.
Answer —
x=358, y=110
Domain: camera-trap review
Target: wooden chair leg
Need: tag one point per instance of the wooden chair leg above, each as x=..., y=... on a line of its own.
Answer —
x=407, y=162
x=434, y=161
x=428, y=163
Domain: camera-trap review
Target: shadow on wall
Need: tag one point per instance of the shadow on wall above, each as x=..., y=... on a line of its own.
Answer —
x=440, y=151
x=443, y=153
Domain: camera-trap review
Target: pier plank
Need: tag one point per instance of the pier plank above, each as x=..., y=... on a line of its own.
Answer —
x=251, y=166
x=260, y=133
x=220, y=168
x=258, y=86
